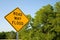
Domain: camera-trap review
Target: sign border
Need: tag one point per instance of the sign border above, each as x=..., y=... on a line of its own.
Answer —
x=11, y=24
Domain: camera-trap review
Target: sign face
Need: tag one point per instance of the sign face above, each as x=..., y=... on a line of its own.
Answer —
x=17, y=19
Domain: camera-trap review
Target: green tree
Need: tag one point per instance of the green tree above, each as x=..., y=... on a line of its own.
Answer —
x=57, y=21
x=44, y=26
x=2, y=35
x=10, y=35
x=24, y=33
x=44, y=21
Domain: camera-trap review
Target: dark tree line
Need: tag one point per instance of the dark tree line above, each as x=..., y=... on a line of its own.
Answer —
x=8, y=35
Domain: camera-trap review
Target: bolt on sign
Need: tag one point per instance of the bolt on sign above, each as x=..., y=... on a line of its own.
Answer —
x=17, y=19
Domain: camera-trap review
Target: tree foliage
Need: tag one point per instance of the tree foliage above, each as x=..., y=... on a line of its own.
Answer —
x=45, y=25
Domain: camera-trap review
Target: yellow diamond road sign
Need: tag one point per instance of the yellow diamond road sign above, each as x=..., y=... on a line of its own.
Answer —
x=17, y=19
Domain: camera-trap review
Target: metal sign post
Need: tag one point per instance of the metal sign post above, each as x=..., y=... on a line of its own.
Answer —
x=17, y=36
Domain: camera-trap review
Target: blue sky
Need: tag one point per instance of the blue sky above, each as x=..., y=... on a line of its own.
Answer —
x=27, y=6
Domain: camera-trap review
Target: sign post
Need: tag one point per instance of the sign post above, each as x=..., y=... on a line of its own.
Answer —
x=17, y=36
x=17, y=19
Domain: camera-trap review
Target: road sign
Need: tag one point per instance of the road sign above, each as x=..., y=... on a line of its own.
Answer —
x=17, y=19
